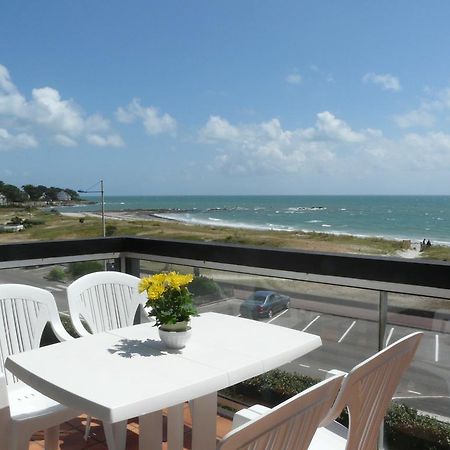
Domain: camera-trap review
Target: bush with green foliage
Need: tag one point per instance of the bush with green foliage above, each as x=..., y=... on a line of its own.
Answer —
x=78, y=269
x=110, y=230
x=56, y=274
x=406, y=428
x=205, y=289
x=274, y=386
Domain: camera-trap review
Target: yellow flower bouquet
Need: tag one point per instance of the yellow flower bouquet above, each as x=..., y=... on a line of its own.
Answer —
x=169, y=299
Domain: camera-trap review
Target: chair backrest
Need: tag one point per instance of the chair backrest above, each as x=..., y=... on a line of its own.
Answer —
x=24, y=312
x=367, y=391
x=290, y=425
x=104, y=300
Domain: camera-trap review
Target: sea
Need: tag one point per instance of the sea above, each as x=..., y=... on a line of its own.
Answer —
x=393, y=217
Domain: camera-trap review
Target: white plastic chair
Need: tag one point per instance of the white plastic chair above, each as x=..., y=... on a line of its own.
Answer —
x=104, y=300
x=366, y=391
x=24, y=312
x=290, y=425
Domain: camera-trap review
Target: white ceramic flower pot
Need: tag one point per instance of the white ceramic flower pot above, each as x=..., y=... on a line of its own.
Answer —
x=175, y=339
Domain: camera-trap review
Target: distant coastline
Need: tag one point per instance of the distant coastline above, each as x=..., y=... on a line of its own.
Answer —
x=398, y=218
x=50, y=224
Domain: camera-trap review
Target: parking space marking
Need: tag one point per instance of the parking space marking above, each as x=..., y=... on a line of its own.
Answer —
x=414, y=392
x=436, y=349
x=389, y=336
x=53, y=288
x=347, y=331
x=62, y=286
x=304, y=365
x=276, y=317
x=310, y=323
x=323, y=370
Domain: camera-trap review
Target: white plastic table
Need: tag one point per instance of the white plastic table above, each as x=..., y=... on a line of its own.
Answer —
x=128, y=372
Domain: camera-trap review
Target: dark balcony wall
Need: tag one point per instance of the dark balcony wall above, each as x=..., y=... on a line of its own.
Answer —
x=389, y=270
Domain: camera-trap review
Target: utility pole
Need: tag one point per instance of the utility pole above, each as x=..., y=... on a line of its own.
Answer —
x=102, y=197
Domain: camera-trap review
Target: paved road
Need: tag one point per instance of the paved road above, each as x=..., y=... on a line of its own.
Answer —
x=346, y=342
x=37, y=277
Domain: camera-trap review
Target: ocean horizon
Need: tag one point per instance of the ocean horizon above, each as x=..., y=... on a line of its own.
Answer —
x=411, y=217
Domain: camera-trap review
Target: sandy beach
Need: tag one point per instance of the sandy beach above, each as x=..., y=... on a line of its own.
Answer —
x=410, y=252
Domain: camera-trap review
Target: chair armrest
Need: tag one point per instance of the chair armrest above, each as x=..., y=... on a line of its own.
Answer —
x=259, y=409
x=59, y=330
x=242, y=417
x=333, y=372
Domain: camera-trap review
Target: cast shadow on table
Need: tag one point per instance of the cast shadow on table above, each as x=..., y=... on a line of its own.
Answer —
x=130, y=348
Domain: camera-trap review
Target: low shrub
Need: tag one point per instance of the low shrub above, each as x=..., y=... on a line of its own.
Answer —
x=16, y=221
x=205, y=289
x=406, y=428
x=57, y=274
x=78, y=269
x=274, y=386
x=110, y=230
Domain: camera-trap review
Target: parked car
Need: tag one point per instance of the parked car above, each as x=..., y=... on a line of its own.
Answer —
x=264, y=304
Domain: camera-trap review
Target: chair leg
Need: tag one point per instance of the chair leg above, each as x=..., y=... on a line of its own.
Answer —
x=51, y=436
x=20, y=441
x=116, y=435
x=87, y=428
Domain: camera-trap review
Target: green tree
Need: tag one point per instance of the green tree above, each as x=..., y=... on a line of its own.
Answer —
x=35, y=192
x=13, y=193
x=52, y=192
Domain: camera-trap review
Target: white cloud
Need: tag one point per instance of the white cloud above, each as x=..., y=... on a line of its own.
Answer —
x=267, y=147
x=330, y=146
x=294, y=78
x=153, y=121
x=64, y=140
x=47, y=111
x=112, y=140
x=219, y=129
x=415, y=118
x=11, y=102
x=331, y=127
x=47, y=108
x=386, y=81
x=10, y=141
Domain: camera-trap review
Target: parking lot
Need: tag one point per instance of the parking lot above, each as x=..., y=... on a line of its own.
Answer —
x=348, y=341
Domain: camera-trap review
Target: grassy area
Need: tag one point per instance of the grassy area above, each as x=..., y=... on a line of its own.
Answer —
x=437, y=252
x=51, y=226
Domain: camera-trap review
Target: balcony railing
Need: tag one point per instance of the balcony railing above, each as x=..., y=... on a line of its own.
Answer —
x=357, y=304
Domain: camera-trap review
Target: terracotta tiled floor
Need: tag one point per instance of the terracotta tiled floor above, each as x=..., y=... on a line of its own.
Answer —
x=71, y=434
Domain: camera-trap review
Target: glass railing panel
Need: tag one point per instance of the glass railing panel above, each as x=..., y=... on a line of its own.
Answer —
x=423, y=395
x=345, y=318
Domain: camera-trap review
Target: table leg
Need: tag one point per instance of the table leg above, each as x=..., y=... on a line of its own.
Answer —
x=150, y=431
x=175, y=427
x=204, y=414
x=116, y=435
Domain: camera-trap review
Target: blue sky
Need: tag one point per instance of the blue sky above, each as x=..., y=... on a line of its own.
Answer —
x=227, y=97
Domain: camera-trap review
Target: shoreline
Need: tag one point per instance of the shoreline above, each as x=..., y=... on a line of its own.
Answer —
x=412, y=252
x=44, y=224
